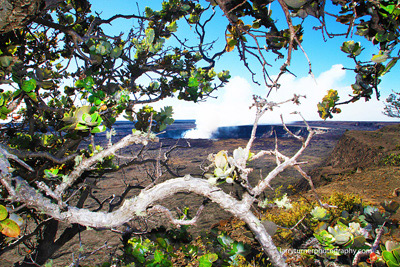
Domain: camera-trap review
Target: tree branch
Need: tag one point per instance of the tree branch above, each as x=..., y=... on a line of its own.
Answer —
x=41, y=154
x=87, y=163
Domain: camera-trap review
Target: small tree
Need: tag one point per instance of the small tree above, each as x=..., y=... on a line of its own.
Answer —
x=64, y=80
x=392, y=105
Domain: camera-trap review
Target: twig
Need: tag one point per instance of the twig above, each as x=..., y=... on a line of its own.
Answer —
x=298, y=137
x=87, y=163
x=374, y=247
x=81, y=258
x=177, y=222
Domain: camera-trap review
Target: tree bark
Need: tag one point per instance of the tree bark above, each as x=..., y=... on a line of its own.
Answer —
x=16, y=14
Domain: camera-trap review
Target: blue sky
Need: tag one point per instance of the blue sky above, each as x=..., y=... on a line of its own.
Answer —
x=231, y=107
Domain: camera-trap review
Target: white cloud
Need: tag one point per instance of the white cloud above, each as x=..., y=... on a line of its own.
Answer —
x=315, y=90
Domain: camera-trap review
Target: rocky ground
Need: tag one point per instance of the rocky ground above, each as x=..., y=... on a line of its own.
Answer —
x=350, y=163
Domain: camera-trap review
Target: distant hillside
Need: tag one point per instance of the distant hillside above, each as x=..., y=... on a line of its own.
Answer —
x=356, y=151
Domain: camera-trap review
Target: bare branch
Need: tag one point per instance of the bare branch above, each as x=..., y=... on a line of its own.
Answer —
x=289, y=162
x=139, y=206
x=87, y=163
x=81, y=258
x=41, y=154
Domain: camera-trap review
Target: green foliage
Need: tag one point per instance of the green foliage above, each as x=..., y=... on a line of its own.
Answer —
x=67, y=79
x=354, y=228
x=140, y=250
x=328, y=105
x=349, y=226
x=167, y=248
x=320, y=214
x=386, y=36
x=207, y=259
x=391, y=254
x=176, y=247
x=147, y=115
x=52, y=116
x=225, y=170
x=9, y=223
x=5, y=98
x=352, y=48
x=391, y=160
x=84, y=119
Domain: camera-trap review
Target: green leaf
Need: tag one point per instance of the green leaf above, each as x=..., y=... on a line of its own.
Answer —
x=388, y=256
x=5, y=61
x=3, y=212
x=158, y=256
x=193, y=82
x=4, y=110
x=185, y=7
x=149, y=36
x=102, y=48
x=207, y=259
x=320, y=213
x=94, y=117
x=86, y=83
x=389, y=8
x=381, y=36
x=101, y=94
x=33, y=96
x=392, y=264
x=81, y=127
x=232, y=42
x=29, y=85
x=389, y=66
x=380, y=58
x=172, y=27
x=51, y=173
x=256, y=25
x=359, y=242
x=161, y=241
x=86, y=118
x=157, y=46
x=396, y=255
x=70, y=19
x=193, y=18
x=295, y=3
x=351, y=47
x=167, y=111
x=148, y=11
x=116, y=52
x=98, y=129
x=10, y=228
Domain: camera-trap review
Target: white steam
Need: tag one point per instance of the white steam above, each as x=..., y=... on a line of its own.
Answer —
x=231, y=108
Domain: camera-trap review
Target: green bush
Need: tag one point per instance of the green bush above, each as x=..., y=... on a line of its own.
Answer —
x=391, y=160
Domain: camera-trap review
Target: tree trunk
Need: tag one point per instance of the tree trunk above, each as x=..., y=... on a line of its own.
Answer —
x=15, y=14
